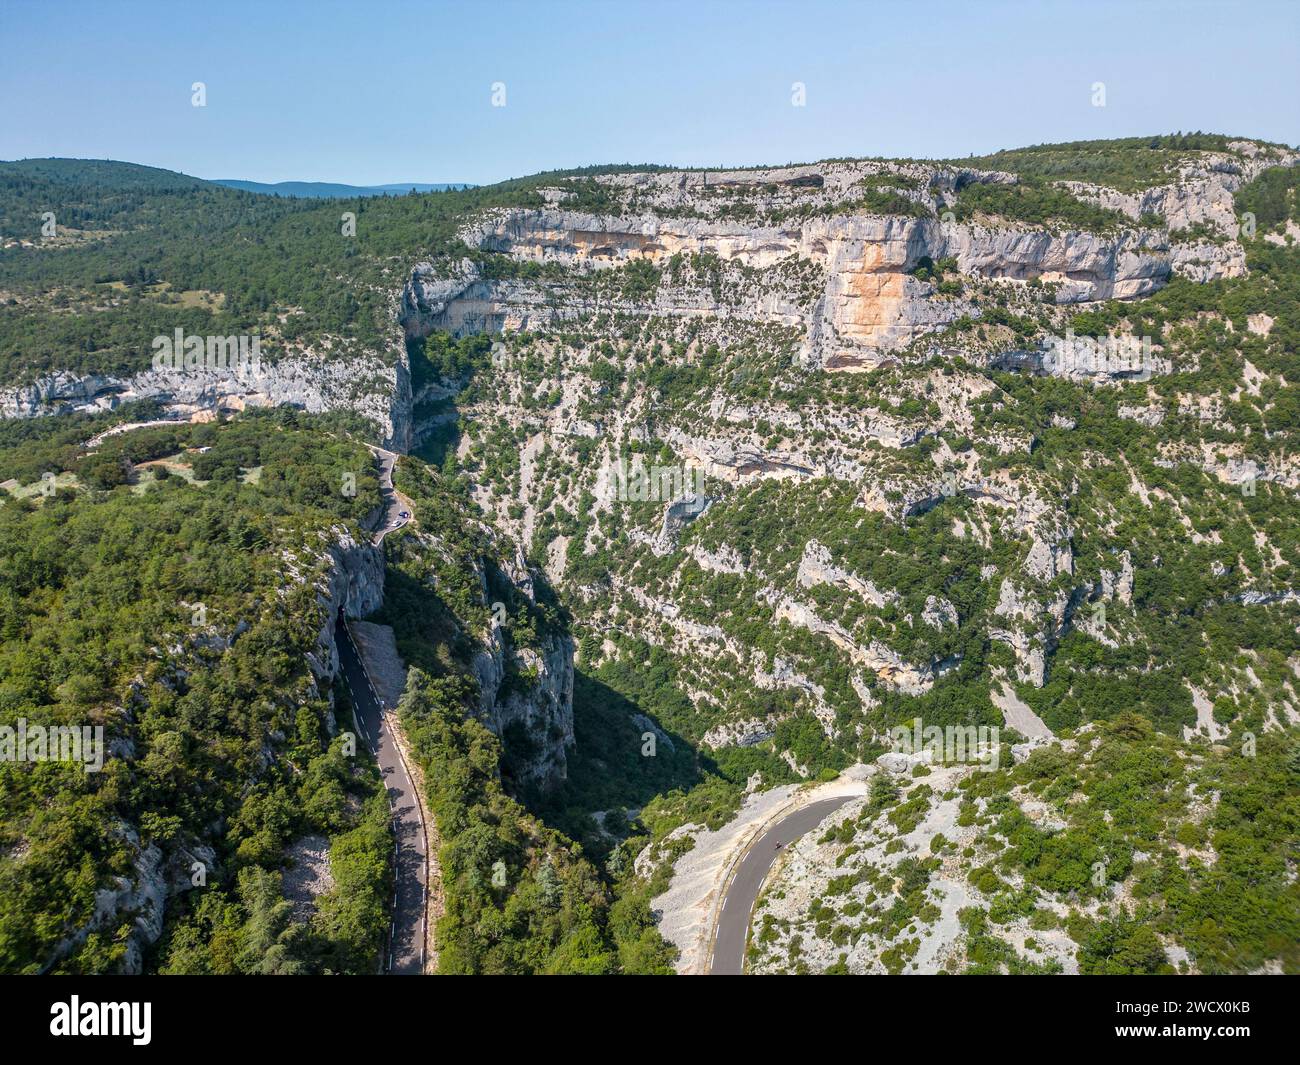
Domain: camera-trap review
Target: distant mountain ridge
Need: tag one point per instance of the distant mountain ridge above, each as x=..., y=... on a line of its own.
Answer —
x=135, y=177
x=326, y=189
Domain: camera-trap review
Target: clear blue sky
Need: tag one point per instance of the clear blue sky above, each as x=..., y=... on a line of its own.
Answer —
x=380, y=92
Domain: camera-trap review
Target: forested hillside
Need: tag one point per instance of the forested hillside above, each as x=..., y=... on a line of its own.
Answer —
x=175, y=604
x=139, y=251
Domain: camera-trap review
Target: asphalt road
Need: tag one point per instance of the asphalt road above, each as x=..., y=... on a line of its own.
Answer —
x=405, y=954
x=738, y=905
x=392, y=505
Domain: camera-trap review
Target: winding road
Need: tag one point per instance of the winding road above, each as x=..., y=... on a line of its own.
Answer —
x=743, y=890
x=393, y=506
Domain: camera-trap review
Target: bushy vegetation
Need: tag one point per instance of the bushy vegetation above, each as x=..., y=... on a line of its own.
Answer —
x=131, y=238
x=115, y=609
x=1271, y=197
x=1037, y=203
x=1126, y=163
x=1207, y=873
x=520, y=898
x=520, y=895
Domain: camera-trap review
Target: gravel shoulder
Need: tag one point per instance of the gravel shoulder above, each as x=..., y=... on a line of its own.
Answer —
x=688, y=910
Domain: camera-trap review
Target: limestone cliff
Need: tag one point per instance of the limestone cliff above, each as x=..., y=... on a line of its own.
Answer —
x=352, y=586
x=867, y=306
x=859, y=301
x=526, y=693
x=315, y=382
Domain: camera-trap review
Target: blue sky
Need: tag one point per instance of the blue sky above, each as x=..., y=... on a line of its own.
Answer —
x=381, y=92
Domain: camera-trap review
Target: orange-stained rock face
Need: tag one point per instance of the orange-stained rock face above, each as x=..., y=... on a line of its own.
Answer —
x=866, y=290
x=867, y=305
x=872, y=304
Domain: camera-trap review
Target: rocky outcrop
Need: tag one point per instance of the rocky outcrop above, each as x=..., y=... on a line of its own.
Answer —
x=857, y=304
x=816, y=567
x=1204, y=261
x=939, y=613
x=889, y=667
x=529, y=689
x=857, y=301
x=353, y=587
x=316, y=383
x=142, y=895
x=735, y=462
x=1118, y=584
x=784, y=675
x=1030, y=628
x=59, y=393
x=1088, y=359
x=678, y=514
x=350, y=579
x=869, y=305
x=744, y=733
x=423, y=301
x=1202, y=195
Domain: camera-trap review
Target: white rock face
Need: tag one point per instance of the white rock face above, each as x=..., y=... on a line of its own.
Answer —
x=543, y=705
x=888, y=666
x=864, y=306
x=816, y=567
x=57, y=393
x=354, y=586
x=1150, y=415
x=314, y=382
x=1203, y=261
x=744, y=733
x=869, y=305
x=1202, y=195
x=1119, y=585
x=143, y=894
x=1088, y=266
x=939, y=613
x=1024, y=634
x=544, y=709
